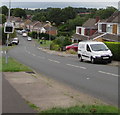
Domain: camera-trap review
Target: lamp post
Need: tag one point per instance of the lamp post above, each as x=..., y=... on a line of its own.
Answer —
x=49, y=32
x=8, y=33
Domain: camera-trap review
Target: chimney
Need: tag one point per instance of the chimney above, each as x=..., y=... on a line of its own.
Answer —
x=97, y=18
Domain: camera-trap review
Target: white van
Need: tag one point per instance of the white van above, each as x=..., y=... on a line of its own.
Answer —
x=94, y=51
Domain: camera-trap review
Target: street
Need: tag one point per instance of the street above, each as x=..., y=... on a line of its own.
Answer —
x=98, y=80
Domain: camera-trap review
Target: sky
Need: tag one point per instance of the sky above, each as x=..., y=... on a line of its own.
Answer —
x=60, y=0
x=82, y=3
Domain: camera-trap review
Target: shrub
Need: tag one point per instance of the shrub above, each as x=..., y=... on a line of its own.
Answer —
x=71, y=51
x=54, y=47
x=114, y=47
x=59, y=43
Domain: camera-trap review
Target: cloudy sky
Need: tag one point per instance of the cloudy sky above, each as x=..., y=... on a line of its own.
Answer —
x=61, y=0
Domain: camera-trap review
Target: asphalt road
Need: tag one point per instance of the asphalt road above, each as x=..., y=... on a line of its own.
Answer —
x=98, y=80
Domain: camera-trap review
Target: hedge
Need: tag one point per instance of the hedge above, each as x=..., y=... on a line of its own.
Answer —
x=115, y=49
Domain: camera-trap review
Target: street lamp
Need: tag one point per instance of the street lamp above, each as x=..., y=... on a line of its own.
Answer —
x=49, y=32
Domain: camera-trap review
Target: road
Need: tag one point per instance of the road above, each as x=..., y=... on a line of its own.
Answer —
x=98, y=80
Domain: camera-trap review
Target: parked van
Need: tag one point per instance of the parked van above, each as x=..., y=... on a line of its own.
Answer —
x=94, y=51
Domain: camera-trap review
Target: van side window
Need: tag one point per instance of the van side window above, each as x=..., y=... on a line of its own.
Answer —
x=88, y=48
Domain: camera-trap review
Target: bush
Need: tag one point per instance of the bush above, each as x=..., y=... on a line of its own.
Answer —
x=114, y=47
x=60, y=42
x=71, y=51
x=54, y=47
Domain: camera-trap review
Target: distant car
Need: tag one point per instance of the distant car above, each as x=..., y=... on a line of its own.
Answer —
x=29, y=38
x=24, y=34
x=15, y=41
x=72, y=46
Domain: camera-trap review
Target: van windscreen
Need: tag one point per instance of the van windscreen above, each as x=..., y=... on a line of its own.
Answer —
x=98, y=47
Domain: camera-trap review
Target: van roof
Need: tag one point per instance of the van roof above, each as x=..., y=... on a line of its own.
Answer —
x=91, y=42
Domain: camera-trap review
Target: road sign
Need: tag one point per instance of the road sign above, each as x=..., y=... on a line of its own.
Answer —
x=9, y=27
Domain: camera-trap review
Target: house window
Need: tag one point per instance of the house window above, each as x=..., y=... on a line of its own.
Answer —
x=109, y=28
x=103, y=27
x=118, y=29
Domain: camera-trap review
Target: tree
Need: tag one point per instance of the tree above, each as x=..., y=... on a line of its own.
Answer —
x=40, y=17
x=68, y=13
x=4, y=10
x=18, y=12
x=105, y=13
x=2, y=19
x=54, y=15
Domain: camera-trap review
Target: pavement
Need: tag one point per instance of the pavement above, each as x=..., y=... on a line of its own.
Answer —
x=43, y=92
x=12, y=101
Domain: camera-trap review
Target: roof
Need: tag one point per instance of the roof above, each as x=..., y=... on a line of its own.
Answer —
x=111, y=37
x=90, y=23
x=115, y=17
x=50, y=28
x=80, y=37
x=38, y=24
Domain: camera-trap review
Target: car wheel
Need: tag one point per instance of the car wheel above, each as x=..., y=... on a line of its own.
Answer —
x=80, y=57
x=92, y=60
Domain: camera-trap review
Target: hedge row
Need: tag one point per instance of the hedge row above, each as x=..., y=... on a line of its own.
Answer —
x=115, y=48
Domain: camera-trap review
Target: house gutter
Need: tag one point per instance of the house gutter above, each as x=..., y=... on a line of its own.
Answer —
x=99, y=36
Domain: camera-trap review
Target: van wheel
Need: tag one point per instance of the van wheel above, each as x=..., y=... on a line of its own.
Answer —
x=80, y=57
x=92, y=60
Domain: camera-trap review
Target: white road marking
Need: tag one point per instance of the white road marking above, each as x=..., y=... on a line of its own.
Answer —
x=33, y=55
x=54, y=61
x=108, y=73
x=1, y=51
x=39, y=48
x=76, y=66
x=41, y=57
x=88, y=78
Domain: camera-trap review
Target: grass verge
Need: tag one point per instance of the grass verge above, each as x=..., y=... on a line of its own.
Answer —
x=12, y=65
x=91, y=109
x=45, y=43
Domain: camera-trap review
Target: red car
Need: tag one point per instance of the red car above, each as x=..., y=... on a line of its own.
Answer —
x=72, y=46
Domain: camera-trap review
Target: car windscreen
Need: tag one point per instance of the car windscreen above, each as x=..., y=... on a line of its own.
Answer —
x=98, y=47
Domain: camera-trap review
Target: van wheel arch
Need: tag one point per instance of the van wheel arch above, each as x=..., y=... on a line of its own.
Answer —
x=92, y=60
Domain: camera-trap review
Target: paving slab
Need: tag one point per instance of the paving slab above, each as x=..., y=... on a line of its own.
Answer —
x=47, y=93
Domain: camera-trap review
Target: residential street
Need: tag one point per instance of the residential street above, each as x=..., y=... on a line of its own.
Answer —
x=98, y=80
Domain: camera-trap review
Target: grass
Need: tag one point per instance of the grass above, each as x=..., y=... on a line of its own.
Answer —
x=12, y=65
x=33, y=106
x=45, y=43
x=84, y=109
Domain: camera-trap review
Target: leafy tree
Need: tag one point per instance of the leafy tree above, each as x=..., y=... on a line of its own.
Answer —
x=54, y=15
x=4, y=10
x=18, y=12
x=105, y=13
x=40, y=17
x=2, y=19
x=68, y=13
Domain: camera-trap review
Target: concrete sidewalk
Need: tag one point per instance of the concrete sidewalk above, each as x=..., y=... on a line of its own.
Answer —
x=46, y=93
x=12, y=102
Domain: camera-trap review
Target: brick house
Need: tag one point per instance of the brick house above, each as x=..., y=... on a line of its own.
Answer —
x=109, y=30
x=86, y=30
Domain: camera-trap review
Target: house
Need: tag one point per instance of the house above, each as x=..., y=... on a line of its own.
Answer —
x=42, y=27
x=18, y=22
x=86, y=30
x=109, y=30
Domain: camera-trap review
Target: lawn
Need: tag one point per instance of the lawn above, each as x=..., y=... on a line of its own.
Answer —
x=44, y=43
x=84, y=109
x=12, y=65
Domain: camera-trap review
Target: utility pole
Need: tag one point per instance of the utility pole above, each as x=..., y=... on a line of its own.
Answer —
x=8, y=35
